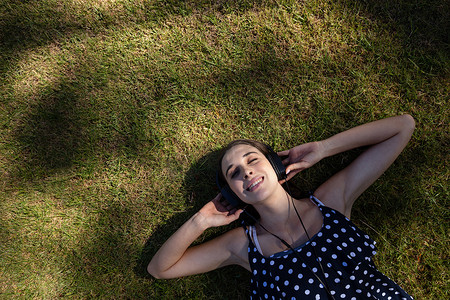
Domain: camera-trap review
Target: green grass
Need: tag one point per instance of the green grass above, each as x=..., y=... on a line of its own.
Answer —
x=112, y=112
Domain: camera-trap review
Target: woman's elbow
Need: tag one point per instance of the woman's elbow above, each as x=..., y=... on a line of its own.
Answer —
x=408, y=124
x=409, y=121
x=152, y=271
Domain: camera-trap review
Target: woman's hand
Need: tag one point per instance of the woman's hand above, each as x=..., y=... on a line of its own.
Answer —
x=302, y=157
x=217, y=212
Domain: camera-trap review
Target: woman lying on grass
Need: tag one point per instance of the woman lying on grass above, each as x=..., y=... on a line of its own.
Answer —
x=295, y=248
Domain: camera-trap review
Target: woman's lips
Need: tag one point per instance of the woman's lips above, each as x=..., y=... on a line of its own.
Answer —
x=255, y=183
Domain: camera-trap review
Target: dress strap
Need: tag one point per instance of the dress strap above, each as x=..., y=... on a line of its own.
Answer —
x=253, y=238
x=315, y=200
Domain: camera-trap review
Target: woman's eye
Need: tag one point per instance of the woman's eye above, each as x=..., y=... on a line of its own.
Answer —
x=234, y=173
x=252, y=160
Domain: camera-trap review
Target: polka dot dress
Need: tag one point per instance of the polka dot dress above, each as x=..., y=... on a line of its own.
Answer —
x=345, y=253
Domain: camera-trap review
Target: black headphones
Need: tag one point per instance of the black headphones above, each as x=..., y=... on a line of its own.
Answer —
x=250, y=214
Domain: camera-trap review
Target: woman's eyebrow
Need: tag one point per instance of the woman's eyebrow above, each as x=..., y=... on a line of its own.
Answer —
x=230, y=166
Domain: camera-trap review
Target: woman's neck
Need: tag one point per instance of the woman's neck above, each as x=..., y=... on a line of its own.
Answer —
x=276, y=211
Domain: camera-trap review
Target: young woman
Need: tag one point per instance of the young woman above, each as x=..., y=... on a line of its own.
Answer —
x=296, y=248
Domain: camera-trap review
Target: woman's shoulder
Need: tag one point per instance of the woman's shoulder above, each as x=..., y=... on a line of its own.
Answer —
x=236, y=241
x=331, y=197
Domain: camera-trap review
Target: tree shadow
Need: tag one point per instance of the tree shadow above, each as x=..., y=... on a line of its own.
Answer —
x=423, y=27
x=51, y=134
x=31, y=23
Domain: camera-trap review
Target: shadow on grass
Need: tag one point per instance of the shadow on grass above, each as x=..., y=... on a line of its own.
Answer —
x=30, y=24
x=421, y=25
x=51, y=133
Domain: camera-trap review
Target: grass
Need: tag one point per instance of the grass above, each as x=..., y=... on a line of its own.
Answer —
x=112, y=112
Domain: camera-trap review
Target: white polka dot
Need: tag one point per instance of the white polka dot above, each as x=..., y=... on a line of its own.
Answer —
x=264, y=284
x=254, y=260
x=286, y=283
x=347, y=286
x=296, y=287
x=277, y=278
x=329, y=241
x=308, y=254
x=311, y=281
x=324, y=249
x=336, y=235
x=342, y=296
x=263, y=260
x=300, y=276
x=327, y=215
x=314, y=270
x=351, y=239
x=294, y=260
x=343, y=230
x=307, y=292
x=272, y=262
x=327, y=226
x=352, y=254
x=317, y=297
x=281, y=267
x=344, y=244
x=337, y=280
x=352, y=277
x=290, y=271
x=264, y=272
x=334, y=256
x=336, y=221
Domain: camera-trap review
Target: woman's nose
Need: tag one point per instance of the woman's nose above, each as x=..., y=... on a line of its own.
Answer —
x=247, y=173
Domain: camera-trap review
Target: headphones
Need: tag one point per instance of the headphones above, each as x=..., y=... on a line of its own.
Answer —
x=250, y=214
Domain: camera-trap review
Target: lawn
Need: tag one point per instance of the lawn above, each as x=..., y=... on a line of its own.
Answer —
x=112, y=113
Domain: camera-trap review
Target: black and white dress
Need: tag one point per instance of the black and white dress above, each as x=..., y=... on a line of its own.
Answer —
x=345, y=253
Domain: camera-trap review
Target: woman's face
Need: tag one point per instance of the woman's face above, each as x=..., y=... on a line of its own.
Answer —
x=248, y=173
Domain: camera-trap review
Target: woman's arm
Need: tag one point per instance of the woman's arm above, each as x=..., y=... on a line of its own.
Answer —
x=386, y=138
x=176, y=259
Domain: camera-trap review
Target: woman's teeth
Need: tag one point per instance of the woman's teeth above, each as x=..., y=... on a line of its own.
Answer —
x=254, y=184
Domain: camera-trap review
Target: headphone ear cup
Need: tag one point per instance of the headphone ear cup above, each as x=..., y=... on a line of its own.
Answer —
x=227, y=193
x=276, y=163
x=231, y=197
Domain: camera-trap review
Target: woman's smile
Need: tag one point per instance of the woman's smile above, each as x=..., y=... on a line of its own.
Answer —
x=254, y=184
